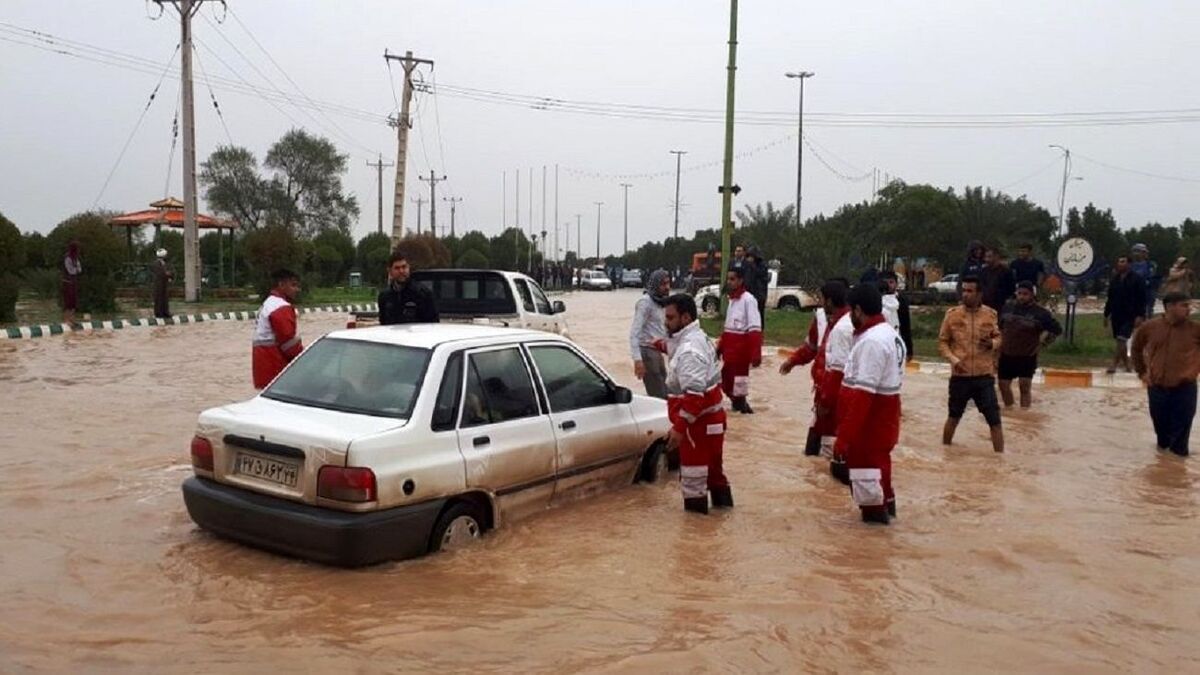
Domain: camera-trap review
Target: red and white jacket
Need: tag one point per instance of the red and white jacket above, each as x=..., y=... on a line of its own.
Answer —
x=741, y=341
x=836, y=352
x=693, y=378
x=276, y=340
x=869, y=403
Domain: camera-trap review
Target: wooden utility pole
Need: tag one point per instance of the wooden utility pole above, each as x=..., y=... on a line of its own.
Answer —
x=433, y=180
x=379, y=166
x=453, y=201
x=419, y=201
x=402, y=124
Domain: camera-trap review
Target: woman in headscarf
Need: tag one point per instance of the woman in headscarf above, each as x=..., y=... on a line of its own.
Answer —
x=72, y=268
x=162, y=282
x=648, y=328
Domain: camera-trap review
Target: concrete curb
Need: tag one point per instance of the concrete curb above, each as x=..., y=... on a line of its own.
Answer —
x=46, y=330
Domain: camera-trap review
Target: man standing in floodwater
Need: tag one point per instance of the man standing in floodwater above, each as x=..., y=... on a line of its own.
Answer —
x=740, y=345
x=1124, y=309
x=1025, y=327
x=276, y=337
x=162, y=285
x=969, y=339
x=1166, y=353
x=647, y=329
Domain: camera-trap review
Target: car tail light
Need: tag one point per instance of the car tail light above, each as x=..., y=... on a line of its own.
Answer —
x=346, y=483
x=202, y=453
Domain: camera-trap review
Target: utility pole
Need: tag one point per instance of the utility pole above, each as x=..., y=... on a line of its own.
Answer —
x=379, y=166
x=544, y=246
x=433, y=180
x=557, y=250
x=531, y=201
x=802, y=76
x=728, y=189
x=504, y=201
x=402, y=123
x=678, y=168
x=453, y=201
x=567, y=231
x=626, y=186
x=419, y=201
x=517, y=224
x=579, y=236
x=191, y=234
x=598, y=205
x=1062, y=194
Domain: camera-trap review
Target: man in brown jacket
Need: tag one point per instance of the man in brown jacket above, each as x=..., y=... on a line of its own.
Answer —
x=969, y=339
x=1166, y=355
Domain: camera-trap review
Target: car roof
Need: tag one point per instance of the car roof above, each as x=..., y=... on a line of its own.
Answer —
x=430, y=335
x=465, y=271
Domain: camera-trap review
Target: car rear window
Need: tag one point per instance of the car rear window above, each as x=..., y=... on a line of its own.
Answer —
x=471, y=293
x=368, y=378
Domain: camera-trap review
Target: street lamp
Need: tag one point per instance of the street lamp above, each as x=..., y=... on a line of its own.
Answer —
x=802, y=76
x=1062, y=194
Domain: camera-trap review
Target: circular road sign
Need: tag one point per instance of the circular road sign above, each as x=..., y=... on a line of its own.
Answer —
x=1075, y=258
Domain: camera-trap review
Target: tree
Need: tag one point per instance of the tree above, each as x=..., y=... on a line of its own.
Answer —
x=372, y=255
x=1100, y=228
x=506, y=247
x=268, y=249
x=767, y=216
x=1164, y=243
x=306, y=188
x=232, y=186
x=473, y=259
x=101, y=252
x=35, y=250
x=343, y=245
x=424, y=251
x=12, y=259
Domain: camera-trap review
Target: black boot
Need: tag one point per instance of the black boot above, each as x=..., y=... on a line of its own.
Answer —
x=737, y=404
x=891, y=508
x=722, y=497
x=696, y=504
x=874, y=514
x=839, y=470
x=812, y=446
x=746, y=409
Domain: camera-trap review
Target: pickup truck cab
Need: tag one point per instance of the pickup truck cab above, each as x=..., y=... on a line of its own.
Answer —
x=393, y=441
x=491, y=297
x=708, y=298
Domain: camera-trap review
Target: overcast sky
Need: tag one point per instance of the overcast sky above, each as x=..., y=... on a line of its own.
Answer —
x=64, y=119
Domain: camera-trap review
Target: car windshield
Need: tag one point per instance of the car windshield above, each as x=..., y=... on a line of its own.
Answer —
x=368, y=378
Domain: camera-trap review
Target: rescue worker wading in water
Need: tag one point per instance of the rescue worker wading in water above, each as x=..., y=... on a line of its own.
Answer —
x=276, y=339
x=694, y=408
x=740, y=346
x=824, y=424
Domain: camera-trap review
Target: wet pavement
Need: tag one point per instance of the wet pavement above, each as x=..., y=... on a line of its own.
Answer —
x=1076, y=551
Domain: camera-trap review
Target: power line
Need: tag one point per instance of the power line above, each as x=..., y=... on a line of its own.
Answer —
x=1137, y=172
x=1022, y=179
x=211, y=95
x=853, y=179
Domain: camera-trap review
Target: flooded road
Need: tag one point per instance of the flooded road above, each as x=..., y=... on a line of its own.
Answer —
x=1077, y=551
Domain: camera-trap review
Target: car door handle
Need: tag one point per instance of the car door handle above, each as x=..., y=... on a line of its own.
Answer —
x=481, y=440
x=569, y=424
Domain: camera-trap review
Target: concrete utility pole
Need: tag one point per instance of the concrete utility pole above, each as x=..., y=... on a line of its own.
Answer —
x=531, y=201
x=504, y=201
x=453, y=201
x=557, y=250
x=678, y=169
x=433, y=180
x=626, y=186
x=598, y=205
x=517, y=223
x=802, y=76
x=728, y=189
x=379, y=167
x=191, y=234
x=543, y=211
x=1062, y=194
x=579, y=236
x=419, y=201
x=402, y=124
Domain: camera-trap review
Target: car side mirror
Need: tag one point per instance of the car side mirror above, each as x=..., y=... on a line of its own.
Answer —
x=622, y=395
x=559, y=307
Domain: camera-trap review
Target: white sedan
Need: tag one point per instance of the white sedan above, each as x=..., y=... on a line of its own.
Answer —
x=389, y=442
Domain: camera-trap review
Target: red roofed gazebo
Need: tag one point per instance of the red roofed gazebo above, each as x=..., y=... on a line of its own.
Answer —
x=169, y=212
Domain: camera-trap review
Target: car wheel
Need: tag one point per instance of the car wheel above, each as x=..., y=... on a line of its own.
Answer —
x=789, y=304
x=710, y=305
x=459, y=526
x=655, y=464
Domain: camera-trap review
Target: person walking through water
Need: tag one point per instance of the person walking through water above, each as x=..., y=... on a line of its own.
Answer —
x=869, y=424
x=1166, y=354
x=968, y=339
x=647, y=328
x=162, y=283
x=1124, y=310
x=404, y=302
x=740, y=345
x=694, y=408
x=1025, y=327
x=824, y=423
x=72, y=268
x=276, y=336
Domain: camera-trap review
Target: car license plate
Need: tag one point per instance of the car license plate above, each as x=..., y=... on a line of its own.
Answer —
x=283, y=473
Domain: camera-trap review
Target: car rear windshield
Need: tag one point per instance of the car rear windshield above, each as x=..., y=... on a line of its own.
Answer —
x=470, y=292
x=354, y=376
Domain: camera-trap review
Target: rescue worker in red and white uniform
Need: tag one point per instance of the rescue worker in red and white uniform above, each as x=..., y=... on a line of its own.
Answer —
x=824, y=425
x=276, y=338
x=740, y=344
x=869, y=410
x=837, y=351
x=694, y=407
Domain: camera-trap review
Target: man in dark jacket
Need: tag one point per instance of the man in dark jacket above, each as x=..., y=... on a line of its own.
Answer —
x=1025, y=327
x=974, y=265
x=758, y=279
x=1124, y=309
x=996, y=281
x=402, y=301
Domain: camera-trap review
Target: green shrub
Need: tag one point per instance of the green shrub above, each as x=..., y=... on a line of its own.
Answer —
x=269, y=248
x=12, y=247
x=101, y=252
x=45, y=283
x=472, y=259
x=10, y=288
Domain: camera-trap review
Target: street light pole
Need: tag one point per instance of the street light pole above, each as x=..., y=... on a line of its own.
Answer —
x=1062, y=194
x=678, y=166
x=802, y=76
x=598, y=205
x=626, y=186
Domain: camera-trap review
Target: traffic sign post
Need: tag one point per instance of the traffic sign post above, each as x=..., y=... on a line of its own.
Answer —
x=1076, y=262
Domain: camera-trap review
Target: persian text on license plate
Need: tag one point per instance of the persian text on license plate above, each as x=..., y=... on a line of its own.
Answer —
x=283, y=473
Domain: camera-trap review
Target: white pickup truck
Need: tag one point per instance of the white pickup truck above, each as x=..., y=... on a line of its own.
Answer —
x=488, y=297
x=708, y=298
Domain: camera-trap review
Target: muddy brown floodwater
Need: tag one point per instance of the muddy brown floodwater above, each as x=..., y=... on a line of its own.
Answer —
x=1077, y=551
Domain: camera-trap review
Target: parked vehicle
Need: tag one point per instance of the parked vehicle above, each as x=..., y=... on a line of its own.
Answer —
x=778, y=297
x=946, y=288
x=393, y=441
x=495, y=297
x=631, y=279
x=595, y=280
